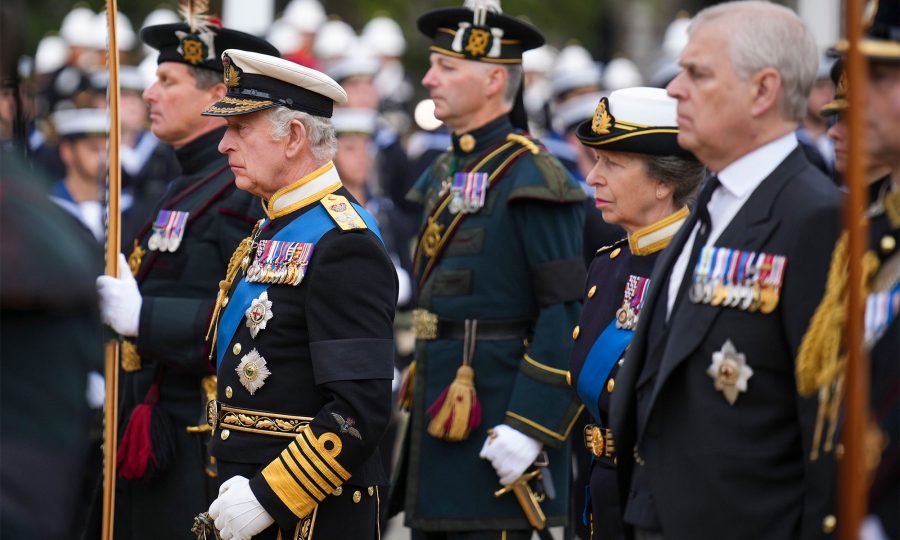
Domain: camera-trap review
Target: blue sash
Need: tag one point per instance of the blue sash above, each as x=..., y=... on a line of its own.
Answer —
x=603, y=355
x=308, y=228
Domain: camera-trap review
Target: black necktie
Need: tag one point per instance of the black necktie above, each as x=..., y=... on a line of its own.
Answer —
x=702, y=235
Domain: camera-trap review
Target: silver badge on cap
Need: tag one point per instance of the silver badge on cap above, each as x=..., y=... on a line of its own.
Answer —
x=729, y=371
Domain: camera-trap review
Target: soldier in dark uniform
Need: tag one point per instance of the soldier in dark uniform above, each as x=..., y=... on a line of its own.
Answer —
x=711, y=435
x=303, y=323
x=163, y=309
x=882, y=48
x=881, y=45
x=498, y=273
x=642, y=182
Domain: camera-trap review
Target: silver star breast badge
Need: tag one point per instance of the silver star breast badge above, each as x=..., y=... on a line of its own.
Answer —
x=259, y=313
x=252, y=371
x=729, y=371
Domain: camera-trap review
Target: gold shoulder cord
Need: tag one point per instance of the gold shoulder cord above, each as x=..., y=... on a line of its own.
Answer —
x=820, y=360
x=240, y=260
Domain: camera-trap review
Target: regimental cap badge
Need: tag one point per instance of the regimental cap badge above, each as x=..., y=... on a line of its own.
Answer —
x=603, y=120
x=232, y=73
x=196, y=48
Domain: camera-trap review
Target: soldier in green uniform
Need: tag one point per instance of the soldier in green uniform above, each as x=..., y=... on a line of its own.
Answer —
x=498, y=275
x=162, y=307
x=303, y=325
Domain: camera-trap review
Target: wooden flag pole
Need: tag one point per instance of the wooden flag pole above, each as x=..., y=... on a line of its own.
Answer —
x=852, y=475
x=113, y=241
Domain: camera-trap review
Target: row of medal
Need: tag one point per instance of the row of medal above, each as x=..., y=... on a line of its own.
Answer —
x=740, y=279
x=881, y=310
x=628, y=314
x=279, y=262
x=468, y=192
x=168, y=230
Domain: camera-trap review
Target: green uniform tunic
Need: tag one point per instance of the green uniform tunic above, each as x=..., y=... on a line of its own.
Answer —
x=516, y=259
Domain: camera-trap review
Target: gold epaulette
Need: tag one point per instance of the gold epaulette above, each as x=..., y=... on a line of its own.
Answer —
x=524, y=141
x=342, y=212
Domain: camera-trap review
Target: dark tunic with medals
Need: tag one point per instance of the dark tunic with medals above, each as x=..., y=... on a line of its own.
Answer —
x=613, y=295
x=305, y=369
x=179, y=289
x=884, y=356
x=515, y=266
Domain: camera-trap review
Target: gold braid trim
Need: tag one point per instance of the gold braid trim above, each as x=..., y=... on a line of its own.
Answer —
x=239, y=260
x=821, y=361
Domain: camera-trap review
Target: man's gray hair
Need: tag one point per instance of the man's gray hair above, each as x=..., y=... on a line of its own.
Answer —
x=205, y=78
x=319, y=130
x=514, y=76
x=761, y=35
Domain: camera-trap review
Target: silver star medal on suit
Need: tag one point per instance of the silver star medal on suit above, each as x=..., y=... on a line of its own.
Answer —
x=259, y=313
x=729, y=371
x=253, y=371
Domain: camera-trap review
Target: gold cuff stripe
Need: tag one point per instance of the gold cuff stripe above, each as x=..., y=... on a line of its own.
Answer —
x=287, y=490
x=304, y=473
x=673, y=131
x=318, y=449
x=546, y=431
x=320, y=476
x=544, y=367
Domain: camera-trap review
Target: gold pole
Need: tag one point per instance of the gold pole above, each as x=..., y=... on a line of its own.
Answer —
x=852, y=483
x=113, y=241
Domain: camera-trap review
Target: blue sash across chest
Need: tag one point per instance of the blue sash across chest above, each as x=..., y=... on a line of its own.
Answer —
x=600, y=360
x=308, y=228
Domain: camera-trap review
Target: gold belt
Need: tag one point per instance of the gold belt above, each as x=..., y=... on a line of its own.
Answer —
x=599, y=441
x=219, y=415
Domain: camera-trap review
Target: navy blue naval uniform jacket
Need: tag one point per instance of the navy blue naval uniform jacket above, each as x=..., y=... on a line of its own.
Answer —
x=329, y=350
x=607, y=279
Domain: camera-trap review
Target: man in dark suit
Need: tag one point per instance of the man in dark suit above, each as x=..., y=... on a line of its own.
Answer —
x=713, y=440
x=162, y=306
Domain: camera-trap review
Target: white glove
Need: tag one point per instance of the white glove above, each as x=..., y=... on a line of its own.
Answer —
x=510, y=451
x=237, y=513
x=120, y=301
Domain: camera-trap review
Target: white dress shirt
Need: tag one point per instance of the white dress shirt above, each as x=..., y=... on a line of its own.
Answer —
x=738, y=181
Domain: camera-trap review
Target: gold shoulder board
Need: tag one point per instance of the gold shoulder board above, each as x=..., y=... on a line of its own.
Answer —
x=342, y=212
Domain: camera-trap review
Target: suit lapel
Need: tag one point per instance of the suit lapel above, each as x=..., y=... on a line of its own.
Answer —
x=748, y=231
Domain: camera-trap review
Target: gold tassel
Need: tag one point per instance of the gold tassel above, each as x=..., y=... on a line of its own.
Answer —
x=820, y=359
x=457, y=411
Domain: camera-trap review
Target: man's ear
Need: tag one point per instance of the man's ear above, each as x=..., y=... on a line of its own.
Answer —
x=296, y=139
x=496, y=81
x=218, y=91
x=766, y=91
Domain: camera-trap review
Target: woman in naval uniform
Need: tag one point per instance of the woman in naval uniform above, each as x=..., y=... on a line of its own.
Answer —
x=642, y=181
